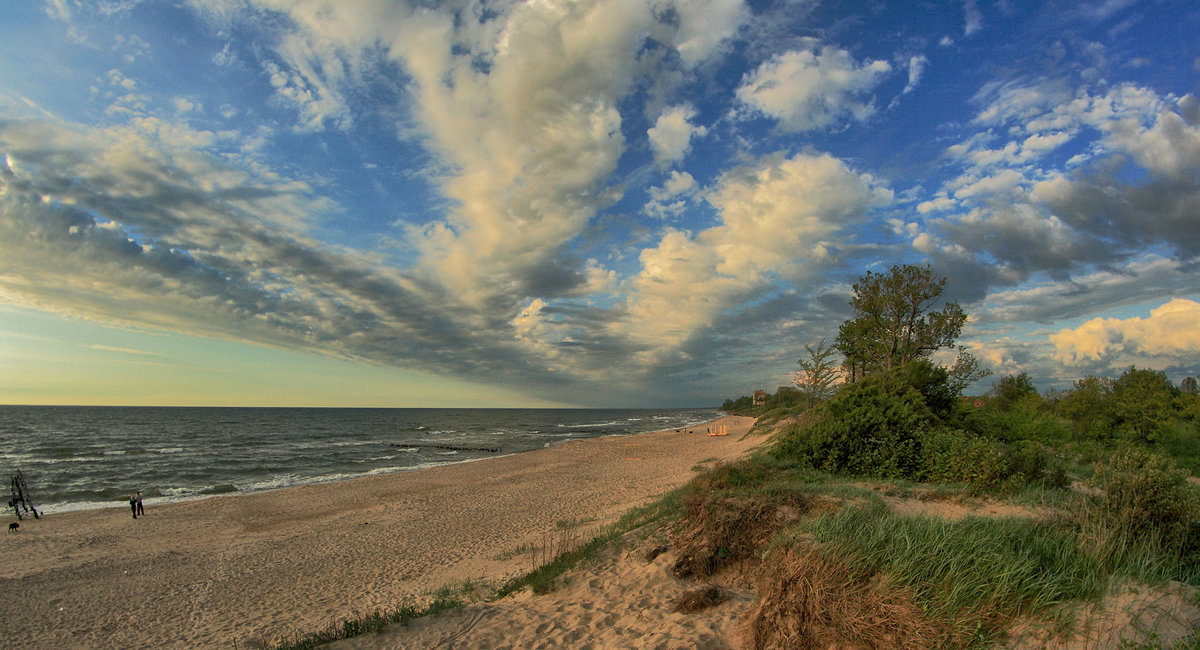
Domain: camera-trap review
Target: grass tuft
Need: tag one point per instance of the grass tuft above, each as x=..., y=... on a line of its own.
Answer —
x=364, y=624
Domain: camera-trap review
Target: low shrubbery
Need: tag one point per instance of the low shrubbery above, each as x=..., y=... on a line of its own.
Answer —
x=1146, y=495
x=872, y=428
x=882, y=427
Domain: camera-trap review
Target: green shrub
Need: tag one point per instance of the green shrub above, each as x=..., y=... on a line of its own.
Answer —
x=871, y=427
x=953, y=456
x=1028, y=418
x=1149, y=495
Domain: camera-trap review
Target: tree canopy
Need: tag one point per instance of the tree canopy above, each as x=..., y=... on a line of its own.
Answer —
x=895, y=321
x=818, y=373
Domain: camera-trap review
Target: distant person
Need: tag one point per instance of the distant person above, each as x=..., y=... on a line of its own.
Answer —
x=140, y=510
x=133, y=505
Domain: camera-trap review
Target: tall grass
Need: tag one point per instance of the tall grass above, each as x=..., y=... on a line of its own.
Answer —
x=971, y=575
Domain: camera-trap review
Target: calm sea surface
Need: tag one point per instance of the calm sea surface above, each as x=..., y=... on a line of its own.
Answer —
x=77, y=458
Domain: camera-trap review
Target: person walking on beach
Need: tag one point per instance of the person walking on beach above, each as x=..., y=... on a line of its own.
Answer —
x=133, y=505
x=140, y=510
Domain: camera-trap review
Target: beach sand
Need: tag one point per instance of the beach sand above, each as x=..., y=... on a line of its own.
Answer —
x=234, y=570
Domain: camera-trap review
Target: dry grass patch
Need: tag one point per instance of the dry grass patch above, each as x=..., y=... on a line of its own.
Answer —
x=725, y=530
x=808, y=601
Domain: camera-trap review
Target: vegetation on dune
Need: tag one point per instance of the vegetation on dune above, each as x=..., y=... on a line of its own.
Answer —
x=809, y=516
x=1128, y=441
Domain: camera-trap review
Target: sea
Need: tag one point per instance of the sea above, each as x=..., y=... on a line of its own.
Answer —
x=86, y=457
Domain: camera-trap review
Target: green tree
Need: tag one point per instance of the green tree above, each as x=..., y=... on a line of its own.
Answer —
x=1145, y=402
x=1189, y=386
x=1012, y=389
x=895, y=321
x=964, y=372
x=1089, y=405
x=818, y=373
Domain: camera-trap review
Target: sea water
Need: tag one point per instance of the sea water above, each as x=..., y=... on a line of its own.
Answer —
x=75, y=458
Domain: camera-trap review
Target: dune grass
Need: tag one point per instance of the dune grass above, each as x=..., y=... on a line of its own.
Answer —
x=971, y=575
x=367, y=623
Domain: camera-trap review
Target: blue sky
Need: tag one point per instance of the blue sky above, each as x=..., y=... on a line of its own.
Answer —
x=620, y=203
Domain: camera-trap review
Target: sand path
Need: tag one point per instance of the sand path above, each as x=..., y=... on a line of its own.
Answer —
x=229, y=570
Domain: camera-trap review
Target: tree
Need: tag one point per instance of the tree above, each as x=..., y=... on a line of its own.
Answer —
x=895, y=321
x=1012, y=388
x=1189, y=386
x=818, y=373
x=1089, y=405
x=965, y=371
x=1145, y=403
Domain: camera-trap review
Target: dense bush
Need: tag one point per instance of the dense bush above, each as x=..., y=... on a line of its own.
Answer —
x=955, y=456
x=934, y=384
x=1148, y=494
x=1026, y=418
x=872, y=427
x=1146, y=404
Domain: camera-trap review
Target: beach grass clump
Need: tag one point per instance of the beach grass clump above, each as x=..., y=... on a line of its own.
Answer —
x=970, y=576
x=367, y=623
x=729, y=513
x=808, y=600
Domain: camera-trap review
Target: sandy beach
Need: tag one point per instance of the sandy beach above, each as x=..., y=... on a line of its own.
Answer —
x=233, y=570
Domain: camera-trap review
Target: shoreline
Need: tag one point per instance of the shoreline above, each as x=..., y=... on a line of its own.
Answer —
x=216, y=571
x=161, y=501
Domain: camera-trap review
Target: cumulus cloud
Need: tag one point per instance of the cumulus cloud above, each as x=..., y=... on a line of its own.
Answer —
x=1016, y=212
x=780, y=217
x=671, y=198
x=814, y=87
x=519, y=106
x=704, y=26
x=671, y=136
x=1170, y=331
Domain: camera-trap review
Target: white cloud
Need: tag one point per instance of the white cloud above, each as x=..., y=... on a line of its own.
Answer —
x=779, y=218
x=1170, y=331
x=814, y=87
x=938, y=204
x=916, y=69
x=671, y=136
x=528, y=144
x=704, y=25
x=973, y=19
x=671, y=199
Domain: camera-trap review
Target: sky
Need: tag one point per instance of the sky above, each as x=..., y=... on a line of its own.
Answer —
x=612, y=203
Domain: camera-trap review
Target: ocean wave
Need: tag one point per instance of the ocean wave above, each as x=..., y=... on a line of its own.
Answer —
x=591, y=426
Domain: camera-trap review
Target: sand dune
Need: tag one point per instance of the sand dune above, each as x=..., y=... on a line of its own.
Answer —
x=235, y=569
x=622, y=601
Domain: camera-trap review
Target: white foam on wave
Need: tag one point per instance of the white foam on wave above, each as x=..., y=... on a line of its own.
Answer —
x=590, y=426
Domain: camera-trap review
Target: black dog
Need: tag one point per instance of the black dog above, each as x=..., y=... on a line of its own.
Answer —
x=12, y=528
